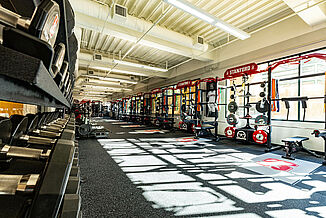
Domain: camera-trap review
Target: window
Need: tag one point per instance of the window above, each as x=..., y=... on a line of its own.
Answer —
x=287, y=88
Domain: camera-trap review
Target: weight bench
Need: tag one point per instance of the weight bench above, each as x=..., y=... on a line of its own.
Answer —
x=202, y=131
x=293, y=145
x=322, y=134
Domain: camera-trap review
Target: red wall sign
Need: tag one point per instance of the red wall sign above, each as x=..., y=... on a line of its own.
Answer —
x=239, y=71
x=154, y=91
x=183, y=84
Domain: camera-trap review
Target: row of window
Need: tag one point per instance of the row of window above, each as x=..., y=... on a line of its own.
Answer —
x=313, y=85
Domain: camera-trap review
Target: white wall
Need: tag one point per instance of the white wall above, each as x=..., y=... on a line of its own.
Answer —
x=285, y=38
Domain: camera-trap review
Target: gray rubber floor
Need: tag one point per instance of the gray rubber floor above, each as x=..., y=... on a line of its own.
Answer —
x=155, y=175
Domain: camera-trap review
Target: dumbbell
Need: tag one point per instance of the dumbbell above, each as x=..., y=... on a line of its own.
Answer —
x=8, y=136
x=56, y=123
x=44, y=128
x=68, y=87
x=61, y=76
x=70, y=18
x=44, y=23
x=21, y=127
x=59, y=54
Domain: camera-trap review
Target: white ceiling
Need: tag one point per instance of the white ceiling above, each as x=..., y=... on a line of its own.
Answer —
x=170, y=42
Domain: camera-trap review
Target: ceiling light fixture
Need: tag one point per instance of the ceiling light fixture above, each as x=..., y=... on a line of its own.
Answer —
x=113, y=79
x=93, y=92
x=117, y=71
x=103, y=82
x=104, y=88
x=208, y=18
x=139, y=66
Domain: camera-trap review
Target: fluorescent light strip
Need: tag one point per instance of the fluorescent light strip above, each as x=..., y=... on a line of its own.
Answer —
x=112, y=79
x=191, y=10
x=94, y=92
x=117, y=71
x=208, y=18
x=104, y=82
x=139, y=66
x=106, y=88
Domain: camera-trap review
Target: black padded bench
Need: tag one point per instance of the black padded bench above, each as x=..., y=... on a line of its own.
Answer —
x=201, y=131
x=293, y=145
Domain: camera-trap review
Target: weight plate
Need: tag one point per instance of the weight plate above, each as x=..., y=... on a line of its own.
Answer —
x=6, y=127
x=242, y=135
x=261, y=119
x=233, y=106
x=45, y=22
x=263, y=85
x=229, y=132
x=262, y=94
x=232, y=96
x=70, y=18
x=259, y=136
x=262, y=106
x=84, y=129
x=232, y=119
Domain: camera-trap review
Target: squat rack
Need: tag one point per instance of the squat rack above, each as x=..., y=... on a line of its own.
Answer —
x=251, y=69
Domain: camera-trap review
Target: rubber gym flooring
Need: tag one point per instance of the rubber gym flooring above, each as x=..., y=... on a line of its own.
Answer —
x=136, y=173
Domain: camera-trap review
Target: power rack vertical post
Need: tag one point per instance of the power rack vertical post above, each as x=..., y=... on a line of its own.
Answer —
x=269, y=113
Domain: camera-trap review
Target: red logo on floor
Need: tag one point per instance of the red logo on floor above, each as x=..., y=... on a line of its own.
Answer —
x=277, y=164
x=152, y=130
x=187, y=140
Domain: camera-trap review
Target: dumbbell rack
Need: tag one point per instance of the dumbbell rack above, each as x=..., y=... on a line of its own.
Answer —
x=25, y=79
x=57, y=192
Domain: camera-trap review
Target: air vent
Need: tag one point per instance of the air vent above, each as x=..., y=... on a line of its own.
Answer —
x=199, y=43
x=90, y=72
x=200, y=40
x=97, y=57
x=120, y=12
x=86, y=80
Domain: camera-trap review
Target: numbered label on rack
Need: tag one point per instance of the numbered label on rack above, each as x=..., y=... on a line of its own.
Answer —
x=241, y=135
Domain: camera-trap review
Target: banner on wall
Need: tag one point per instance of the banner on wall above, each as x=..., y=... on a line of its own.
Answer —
x=241, y=70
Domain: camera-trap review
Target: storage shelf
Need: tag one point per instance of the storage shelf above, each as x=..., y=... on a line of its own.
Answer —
x=24, y=79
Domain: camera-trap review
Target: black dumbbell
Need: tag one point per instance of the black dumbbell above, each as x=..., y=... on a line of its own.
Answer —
x=44, y=23
x=59, y=54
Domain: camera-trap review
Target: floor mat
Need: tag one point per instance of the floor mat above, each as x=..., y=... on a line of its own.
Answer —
x=199, y=178
x=132, y=126
x=121, y=123
x=273, y=165
x=148, y=131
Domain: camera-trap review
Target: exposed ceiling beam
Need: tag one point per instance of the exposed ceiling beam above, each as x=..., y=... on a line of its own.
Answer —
x=96, y=17
x=114, y=77
x=313, y=12
x=86, y=60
